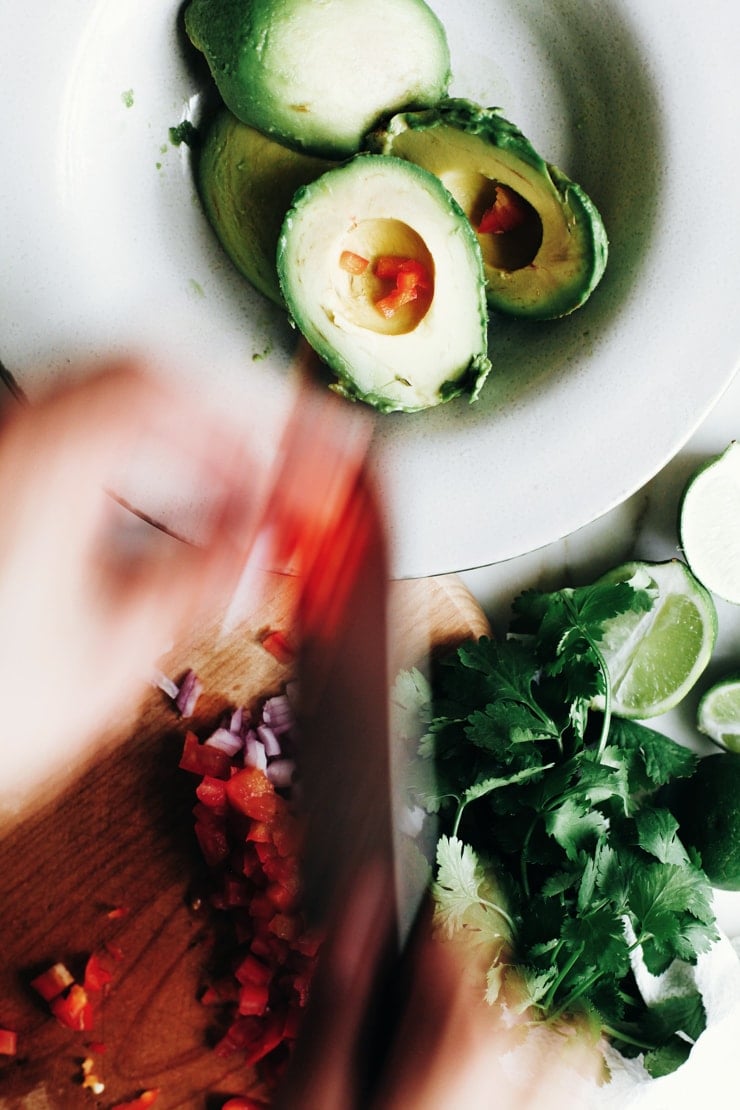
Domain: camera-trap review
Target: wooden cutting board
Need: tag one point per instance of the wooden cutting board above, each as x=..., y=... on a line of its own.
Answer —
x=118, y=833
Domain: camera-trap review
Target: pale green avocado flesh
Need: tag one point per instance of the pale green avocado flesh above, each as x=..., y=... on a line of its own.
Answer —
x=372, y=208
x=553, y=260
x=319, y=75
x=246, y=183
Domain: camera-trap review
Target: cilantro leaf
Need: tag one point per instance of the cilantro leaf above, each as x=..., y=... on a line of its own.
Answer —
x=459, y=890
x=658, y=834
x=654, y=759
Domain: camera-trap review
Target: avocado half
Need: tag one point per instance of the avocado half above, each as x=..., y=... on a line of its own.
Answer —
x=246, y=183
x=383, y=275
x=545, y=260
x=319, y=74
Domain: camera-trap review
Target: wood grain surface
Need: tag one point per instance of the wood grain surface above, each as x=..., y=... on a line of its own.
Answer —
x=117, y=832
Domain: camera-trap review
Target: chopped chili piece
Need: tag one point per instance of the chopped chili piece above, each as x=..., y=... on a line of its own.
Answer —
x=279, y=646
x=507, y=212
x=410, y=276
x=353, y=263
x=8, y=1042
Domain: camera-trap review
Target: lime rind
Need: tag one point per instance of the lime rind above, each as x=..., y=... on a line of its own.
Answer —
x=718, y=713
x=709, y=524
x=654, y=658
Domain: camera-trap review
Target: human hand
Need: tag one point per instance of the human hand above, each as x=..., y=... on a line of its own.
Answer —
x=89, y=595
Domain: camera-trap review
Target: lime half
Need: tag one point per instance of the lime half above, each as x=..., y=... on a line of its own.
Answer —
x=655, y=657
x=709, y=524
x=718, y=713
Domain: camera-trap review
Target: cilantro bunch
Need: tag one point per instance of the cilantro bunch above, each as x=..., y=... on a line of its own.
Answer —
x=568, y=808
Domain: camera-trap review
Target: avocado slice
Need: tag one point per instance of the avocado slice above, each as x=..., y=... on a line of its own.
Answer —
x=383, y=275
x=547, y=247
x=246, y=183
x=318, y=76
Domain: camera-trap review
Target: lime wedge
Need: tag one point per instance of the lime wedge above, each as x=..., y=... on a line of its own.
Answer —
x=718, y=713
x=709, y=524
x=655, y=657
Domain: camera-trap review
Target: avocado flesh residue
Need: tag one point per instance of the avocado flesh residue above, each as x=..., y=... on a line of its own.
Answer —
x=553, y=261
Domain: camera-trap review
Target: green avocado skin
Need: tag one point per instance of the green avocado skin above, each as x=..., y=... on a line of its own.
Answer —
x=246, y=183
x=306, y=71
x=584, y=238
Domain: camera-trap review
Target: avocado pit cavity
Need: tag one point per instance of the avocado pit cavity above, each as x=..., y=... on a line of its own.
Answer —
x=509, y=228
x=384, y=277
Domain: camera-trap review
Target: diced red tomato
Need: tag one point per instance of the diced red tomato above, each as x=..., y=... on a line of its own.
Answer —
x=251, y=793
x=144, y=1100
x=73, y=1009
x=117, y=913
x=252, y=839
x=213, y=841
x=287, y=836
x=53, y=982
x=507, y=212
x=285, y=926
x=279, y=646
x=252, y=970
x=253, y=998
x=260, y=832
x=8, y=1042
x=353, y=263
x=212, y=793
x=98, y=976
x=202, y=759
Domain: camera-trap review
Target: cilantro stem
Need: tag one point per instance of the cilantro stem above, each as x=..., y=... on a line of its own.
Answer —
x=523, y=857
x=592, y=643
x=607, y=701
x=576, y=993
x=501, y=912
x=616, y=1035
x=564, y=972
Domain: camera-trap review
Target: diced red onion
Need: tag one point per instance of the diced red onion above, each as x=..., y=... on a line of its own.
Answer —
x=237, y=720
x=254, y=751
x=270, y=741
x=277, y=713
x=187, y=697
x=226, y=741
x=280, y=772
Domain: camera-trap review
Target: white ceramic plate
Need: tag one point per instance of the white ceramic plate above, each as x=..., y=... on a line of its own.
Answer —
x=103, y=245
